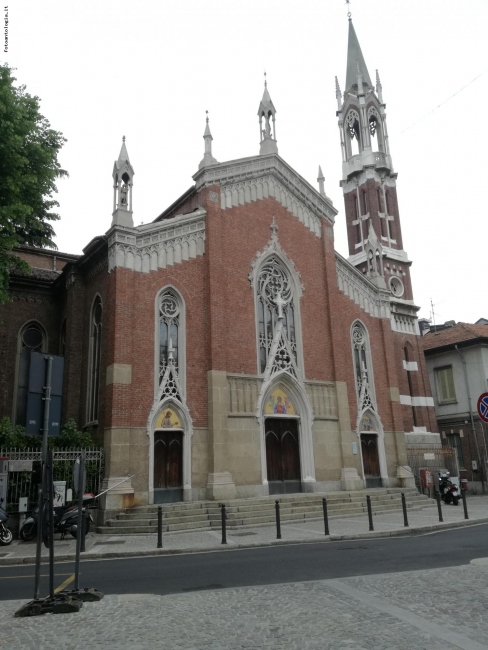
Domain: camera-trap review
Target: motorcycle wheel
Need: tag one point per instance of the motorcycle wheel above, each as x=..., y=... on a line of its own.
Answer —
x=28, y=532
x=87, y=529
x=455, y=501
x=5, y=536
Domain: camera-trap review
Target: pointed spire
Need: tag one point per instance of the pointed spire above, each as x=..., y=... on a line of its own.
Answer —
x=320, y=180
x=338, y=95
x=208, y=158
x=123, y=175
x=372, y=238
x=379, y=88
x=355, y=59
x=267, y=132
x=123, y=155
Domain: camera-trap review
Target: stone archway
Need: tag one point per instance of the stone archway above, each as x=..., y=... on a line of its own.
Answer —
x=285, y=416
x=169, y=431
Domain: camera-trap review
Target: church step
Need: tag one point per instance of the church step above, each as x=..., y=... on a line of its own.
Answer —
x=261, y=510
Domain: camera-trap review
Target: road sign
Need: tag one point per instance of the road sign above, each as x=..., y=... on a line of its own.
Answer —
x=483, y=407
x=76, y=476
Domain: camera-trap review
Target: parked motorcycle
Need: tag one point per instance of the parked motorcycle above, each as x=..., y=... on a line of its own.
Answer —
x=65, y=520
x=5, y=532
x=449, y=491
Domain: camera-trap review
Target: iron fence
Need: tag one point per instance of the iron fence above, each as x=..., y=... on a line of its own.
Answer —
x=24, y=474
x=433, y=458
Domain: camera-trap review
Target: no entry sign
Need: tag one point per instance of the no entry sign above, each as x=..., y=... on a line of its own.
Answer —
x=483, y=407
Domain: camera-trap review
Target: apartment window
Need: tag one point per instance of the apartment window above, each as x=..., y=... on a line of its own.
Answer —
x=445, y=385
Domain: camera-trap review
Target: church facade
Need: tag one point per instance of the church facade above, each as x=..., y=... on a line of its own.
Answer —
x=226, y=349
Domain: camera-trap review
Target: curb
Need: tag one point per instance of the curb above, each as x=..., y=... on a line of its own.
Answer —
x=110, y=555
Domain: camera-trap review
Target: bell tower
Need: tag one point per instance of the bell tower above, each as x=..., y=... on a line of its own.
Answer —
x=267, y=123
x=368, y=178
x=123, y=175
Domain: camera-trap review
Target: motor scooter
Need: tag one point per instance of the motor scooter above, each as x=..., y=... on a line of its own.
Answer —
x=65, y=520
x=449, y=490
x=5, y=532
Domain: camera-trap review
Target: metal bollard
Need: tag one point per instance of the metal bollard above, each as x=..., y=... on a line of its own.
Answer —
x=465, y=505
x=439, y=507
x=404, y=506
x=224, y=523
x=160, y=527
x=278, y=521
x=83, y=529
x=326, y=517
x=370, y=514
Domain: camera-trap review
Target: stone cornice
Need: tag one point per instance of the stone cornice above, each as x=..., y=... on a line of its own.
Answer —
x=373, y=300
x=237, y=178
x=159, y=244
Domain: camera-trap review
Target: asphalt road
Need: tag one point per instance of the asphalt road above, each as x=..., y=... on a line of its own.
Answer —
x=259, y=566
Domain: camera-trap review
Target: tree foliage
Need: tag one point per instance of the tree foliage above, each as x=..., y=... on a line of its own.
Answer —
x=14, y=436
x=29, y=168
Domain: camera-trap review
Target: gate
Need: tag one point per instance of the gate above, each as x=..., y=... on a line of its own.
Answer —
x=25, y=472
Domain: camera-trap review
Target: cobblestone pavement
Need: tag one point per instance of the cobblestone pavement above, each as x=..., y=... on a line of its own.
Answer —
x=310, y=530
x=437, y=609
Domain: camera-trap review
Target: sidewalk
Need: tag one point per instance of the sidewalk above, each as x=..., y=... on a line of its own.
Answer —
x=343, y=528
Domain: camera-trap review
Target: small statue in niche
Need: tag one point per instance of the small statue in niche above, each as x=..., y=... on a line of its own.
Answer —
x=123, y=195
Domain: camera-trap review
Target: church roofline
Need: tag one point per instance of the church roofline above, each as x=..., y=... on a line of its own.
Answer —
x=186, y=195
x=253, y=167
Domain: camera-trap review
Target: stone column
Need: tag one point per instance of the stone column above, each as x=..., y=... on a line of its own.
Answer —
x=220, y=485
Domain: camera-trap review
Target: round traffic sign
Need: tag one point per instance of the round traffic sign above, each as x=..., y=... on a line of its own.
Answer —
x=483, y=407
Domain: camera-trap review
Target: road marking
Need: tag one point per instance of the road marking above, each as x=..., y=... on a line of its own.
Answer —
x=43, y=575
x=65, y=583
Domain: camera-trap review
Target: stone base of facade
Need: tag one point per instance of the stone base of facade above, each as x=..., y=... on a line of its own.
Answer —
x=117, y=499
x=220, y=486
x=350, y=479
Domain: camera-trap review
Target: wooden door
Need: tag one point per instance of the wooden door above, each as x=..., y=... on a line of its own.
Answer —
x=282, y=456
x=371, y=461
x=168, y=466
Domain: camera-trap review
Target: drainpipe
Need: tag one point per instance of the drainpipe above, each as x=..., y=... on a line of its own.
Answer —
x=482, y=469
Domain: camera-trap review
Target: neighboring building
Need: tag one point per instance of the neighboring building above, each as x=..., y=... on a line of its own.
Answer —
x=457, y=362
x=226, y=349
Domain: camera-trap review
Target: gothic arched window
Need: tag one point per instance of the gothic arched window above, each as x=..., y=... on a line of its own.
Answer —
x=363, y=370
x=273, y=281
x=32, y=338
x=170, y=333
x=95, y=358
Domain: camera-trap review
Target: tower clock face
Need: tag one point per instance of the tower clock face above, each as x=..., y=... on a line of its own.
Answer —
x=396, y=287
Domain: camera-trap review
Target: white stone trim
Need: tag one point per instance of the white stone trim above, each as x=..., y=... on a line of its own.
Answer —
x=181, y=339
x=420, y=400
x=410, y=366
x=374, y=301
x=274, y=248
x=239, y=176
x=157, y=245
x=390, y=253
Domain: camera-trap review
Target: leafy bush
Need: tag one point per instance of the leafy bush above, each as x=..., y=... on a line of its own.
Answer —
x=70, y=437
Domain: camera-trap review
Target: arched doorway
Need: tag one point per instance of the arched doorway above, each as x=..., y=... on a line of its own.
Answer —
x=282, y=455
x=370, y=451
x=168, y=466
x=168, y=455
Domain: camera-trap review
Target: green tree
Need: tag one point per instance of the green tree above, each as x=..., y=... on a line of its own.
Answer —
x=29, y=168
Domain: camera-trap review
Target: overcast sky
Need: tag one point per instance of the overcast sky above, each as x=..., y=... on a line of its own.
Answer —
x=149, y=70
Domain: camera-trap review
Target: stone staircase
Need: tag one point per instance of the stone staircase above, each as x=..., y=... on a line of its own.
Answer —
x=260, y=511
